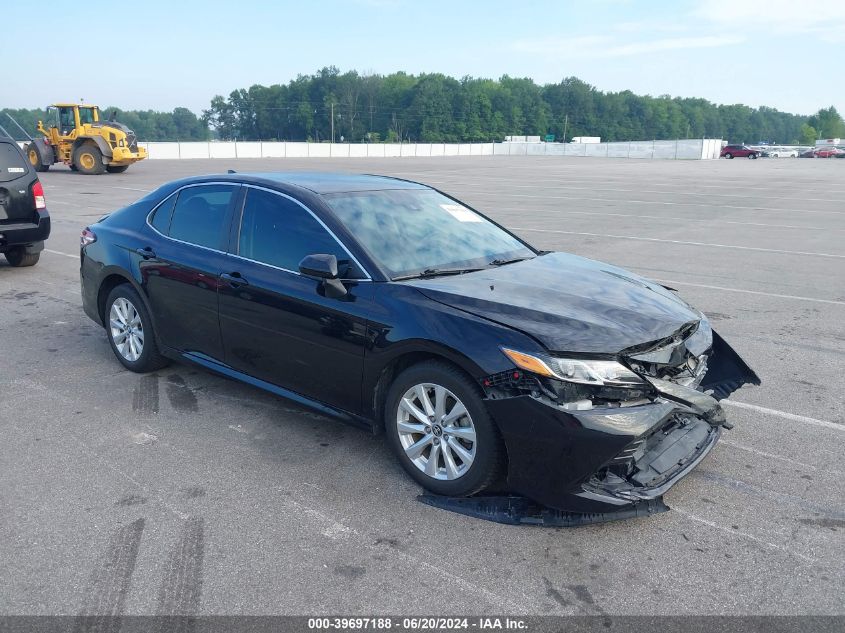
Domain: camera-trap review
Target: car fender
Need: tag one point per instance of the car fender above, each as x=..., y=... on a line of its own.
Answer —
x=413, y=324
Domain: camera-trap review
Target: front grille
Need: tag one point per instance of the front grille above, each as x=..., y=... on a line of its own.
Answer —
x=132, y=141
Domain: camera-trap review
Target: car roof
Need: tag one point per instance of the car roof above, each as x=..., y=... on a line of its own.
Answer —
x=329, y=182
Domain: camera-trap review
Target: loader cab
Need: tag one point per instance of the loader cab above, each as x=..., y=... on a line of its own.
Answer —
x=62, y=118
x=88, y=115
x=67, y=118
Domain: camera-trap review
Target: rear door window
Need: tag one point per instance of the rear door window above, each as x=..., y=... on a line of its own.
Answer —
x=12, y=163
x=200, y=215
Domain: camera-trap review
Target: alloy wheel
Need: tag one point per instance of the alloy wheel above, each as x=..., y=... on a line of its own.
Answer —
x=436, y=431
x=126, y=329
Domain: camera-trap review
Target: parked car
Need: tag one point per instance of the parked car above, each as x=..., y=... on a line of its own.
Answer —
x=24, y=220
x=828, y=152
x=394, y=306
x=780, y=152
x=741, y=151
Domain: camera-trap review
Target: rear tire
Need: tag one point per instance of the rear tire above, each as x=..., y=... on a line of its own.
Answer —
x=88, y=160
x=34, y=157
x=19, y=258
x=457, y=454
x=129, y=329
x=117, y=169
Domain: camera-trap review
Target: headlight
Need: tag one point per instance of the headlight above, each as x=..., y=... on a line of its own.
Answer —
x=606, y=373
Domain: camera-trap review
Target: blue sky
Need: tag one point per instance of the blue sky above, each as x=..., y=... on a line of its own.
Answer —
x=787, y=54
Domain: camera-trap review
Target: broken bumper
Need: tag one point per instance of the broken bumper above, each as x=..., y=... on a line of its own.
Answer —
x=604, y=459
x=607, y=459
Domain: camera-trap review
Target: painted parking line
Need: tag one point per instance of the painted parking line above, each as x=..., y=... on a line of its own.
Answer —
x=655, y=202
x=751, y=292
x=47, y=250
x=541, y=183
x=682, y=242
x=129, y=188
x=561, y=187
x=723, y=528
x=783, y=458
x=787, y=416
x=708, y=221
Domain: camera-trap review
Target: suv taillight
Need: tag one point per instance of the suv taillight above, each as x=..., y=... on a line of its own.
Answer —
x=87, y=237
x=38, y=195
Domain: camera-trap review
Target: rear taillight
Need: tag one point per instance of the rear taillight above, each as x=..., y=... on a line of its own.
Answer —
x=87, y=237
x=38, y=195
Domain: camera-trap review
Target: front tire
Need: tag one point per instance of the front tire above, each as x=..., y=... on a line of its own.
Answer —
x=19, y=258
x=88, y=160
x=729, y=155
x=752, y=156
x=117, y=169
x=130, y=331
x=440, y=430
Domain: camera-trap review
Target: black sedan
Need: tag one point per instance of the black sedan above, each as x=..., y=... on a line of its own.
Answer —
x=488, y=363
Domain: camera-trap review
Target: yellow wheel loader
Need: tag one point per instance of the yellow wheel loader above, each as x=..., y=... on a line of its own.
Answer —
x=77, y=137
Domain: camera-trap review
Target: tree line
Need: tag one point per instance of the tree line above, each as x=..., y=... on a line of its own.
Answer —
x=179, y=125
x=438, y=108
x=433, y=107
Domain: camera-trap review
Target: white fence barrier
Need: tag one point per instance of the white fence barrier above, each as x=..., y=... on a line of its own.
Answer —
x=683, y=149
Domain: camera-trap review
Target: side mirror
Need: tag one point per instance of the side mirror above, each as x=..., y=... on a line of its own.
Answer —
x=320, y=265
x=324, y=267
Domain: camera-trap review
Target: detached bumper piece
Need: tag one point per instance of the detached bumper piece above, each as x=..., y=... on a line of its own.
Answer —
x=515, y=510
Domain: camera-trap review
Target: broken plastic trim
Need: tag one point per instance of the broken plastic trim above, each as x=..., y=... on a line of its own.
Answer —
x=516, y=510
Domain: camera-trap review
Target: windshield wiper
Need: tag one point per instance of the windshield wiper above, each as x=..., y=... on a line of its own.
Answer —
x=502, y=262
x=437, y=272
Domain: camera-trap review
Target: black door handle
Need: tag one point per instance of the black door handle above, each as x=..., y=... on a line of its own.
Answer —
x=234, y=279
x=146, y=252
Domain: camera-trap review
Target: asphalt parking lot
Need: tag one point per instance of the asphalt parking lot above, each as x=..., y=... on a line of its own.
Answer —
x=182, y=492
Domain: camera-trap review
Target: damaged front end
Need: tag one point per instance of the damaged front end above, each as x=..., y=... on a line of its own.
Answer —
x=588, y=435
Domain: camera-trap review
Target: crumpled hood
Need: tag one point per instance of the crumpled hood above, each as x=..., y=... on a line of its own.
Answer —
x=568, y=303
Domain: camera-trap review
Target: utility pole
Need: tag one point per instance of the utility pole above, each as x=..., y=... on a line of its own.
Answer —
x=565, y=125
x=332, y=121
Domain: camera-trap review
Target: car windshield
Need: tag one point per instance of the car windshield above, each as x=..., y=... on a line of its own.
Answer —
x=417, y=231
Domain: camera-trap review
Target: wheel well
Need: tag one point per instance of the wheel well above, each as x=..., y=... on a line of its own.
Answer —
x=396, y=367
x=109, y=283
x=84, y=141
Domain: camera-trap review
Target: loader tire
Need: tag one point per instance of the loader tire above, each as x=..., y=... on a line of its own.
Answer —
x=88, y=160
x=117, y=169
x=34, y=158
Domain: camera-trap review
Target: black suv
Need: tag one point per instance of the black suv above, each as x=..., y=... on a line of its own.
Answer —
x=24, y=221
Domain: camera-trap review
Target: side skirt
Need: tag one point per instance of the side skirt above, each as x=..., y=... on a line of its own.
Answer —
x=224, y=370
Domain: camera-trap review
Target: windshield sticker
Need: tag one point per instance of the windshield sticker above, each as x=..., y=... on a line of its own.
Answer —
x=461, y=214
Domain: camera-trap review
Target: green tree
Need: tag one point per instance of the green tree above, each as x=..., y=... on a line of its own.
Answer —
x=808, y=135
x=828, y=122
